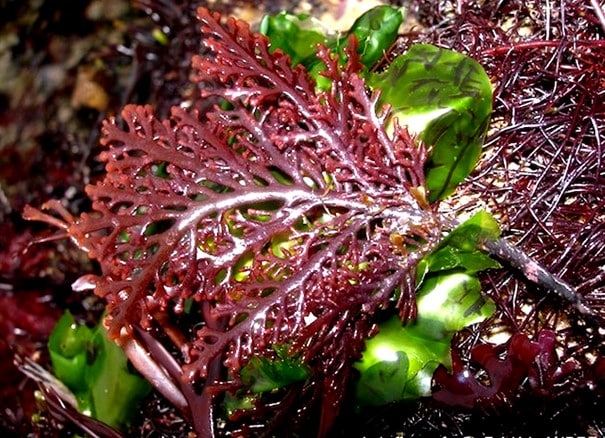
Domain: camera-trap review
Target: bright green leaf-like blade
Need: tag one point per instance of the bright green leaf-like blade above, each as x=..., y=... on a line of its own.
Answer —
x=296, y=34
x=67, y=346
x=449, y=258
x=114, y=390
x=399, y=362
x=451, y=302
x=376, y=30
x=383, y=379
x=461, y=250
x=472, y=233
x=96, y=370
x=445, y=98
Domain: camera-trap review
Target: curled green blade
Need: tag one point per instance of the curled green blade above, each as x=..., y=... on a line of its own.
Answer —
x=96, y=370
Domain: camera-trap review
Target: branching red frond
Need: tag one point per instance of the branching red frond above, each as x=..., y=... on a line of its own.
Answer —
x=270, y=216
